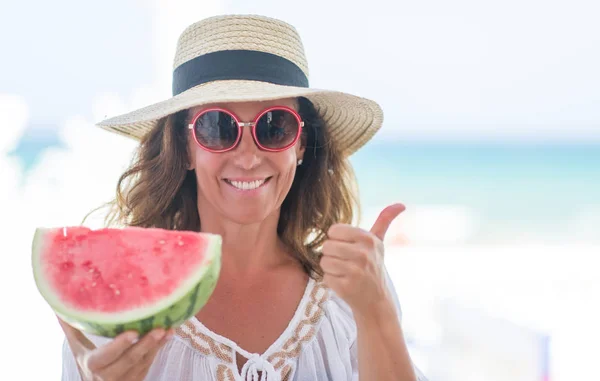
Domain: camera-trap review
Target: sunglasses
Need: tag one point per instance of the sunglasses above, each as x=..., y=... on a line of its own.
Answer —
x=274, y=129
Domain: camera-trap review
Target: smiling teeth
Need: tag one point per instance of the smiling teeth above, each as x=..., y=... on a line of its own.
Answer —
x=247, y=185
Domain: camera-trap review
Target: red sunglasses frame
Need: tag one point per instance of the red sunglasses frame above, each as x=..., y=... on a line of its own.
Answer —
x=252, y=124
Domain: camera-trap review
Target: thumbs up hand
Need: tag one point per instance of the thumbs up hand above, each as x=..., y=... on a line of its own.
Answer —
x=352, y=261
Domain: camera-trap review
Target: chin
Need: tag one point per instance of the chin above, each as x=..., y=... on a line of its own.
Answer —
x=247, y=215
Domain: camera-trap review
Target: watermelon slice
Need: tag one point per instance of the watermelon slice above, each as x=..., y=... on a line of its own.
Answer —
x=107, y=281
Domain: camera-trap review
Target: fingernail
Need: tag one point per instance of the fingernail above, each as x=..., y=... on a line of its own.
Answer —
x=132, y=337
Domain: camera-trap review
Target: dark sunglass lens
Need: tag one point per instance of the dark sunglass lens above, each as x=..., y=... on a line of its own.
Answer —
x=216, y=130
x=277, y=129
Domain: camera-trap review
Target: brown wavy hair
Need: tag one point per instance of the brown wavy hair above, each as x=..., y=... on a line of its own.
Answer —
x=158, y=190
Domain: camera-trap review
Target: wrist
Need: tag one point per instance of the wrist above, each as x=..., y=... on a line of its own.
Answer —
x=376, y=313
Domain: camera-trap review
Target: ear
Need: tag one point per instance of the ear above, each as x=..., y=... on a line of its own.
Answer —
x=301, y=145
x=300, y=148
x=190, y=164
x=190, y=159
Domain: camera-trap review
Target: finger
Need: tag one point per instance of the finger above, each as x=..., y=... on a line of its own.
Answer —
x=385, y=219
x=76, y=339
x=134, y=355
x=345, y=232
x=336, y=283
x=337, y=267
x=151, y=355
x=340, y=249
x=112, y=351
x=139, y=372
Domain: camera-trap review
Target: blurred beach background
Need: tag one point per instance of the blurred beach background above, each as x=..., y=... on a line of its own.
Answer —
x=491, y=139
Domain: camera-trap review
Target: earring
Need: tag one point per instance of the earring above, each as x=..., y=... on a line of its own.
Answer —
x=300, y=162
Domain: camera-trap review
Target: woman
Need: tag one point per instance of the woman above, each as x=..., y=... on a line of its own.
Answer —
x=247, y=150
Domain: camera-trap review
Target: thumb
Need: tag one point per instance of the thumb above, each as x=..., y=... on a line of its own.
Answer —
x=385, y=219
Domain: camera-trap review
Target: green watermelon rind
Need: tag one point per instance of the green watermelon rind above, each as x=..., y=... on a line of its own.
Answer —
x=185, y=302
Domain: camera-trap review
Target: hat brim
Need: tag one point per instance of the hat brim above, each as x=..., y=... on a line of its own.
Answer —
x=352, y=121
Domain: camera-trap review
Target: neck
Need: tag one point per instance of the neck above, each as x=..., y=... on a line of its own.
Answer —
x=248, y=249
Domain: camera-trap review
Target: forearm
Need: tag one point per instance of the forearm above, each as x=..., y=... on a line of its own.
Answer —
x=382, y=351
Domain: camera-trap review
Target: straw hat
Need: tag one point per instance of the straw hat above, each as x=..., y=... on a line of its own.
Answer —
x=250, y=58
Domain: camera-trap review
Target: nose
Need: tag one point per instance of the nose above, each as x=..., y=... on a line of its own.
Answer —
x=247, y=154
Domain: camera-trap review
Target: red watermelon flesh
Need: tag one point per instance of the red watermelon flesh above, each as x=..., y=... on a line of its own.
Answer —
x=103, y=271
x=112, y=277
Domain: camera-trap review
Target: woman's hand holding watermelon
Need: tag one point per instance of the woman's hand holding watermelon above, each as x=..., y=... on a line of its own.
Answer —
x=122, y=359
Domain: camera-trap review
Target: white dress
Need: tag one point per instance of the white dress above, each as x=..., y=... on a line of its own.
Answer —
x=318, y=344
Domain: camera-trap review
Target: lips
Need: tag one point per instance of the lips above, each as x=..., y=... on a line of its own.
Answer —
x=247, y=184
